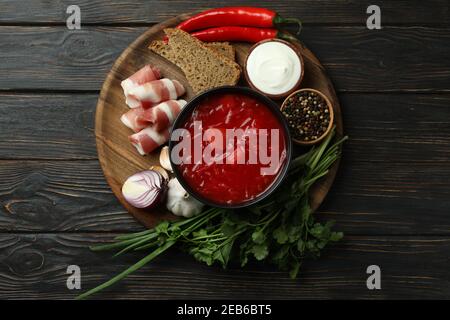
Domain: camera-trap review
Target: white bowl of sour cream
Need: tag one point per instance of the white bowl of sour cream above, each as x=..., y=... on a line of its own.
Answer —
x=274, y=67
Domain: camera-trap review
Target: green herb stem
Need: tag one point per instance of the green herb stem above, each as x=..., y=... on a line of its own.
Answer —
x=133, y=235
x=205, y=219
x=133, y=246
x=146, y=246
x=131, y=269
x=123, y=243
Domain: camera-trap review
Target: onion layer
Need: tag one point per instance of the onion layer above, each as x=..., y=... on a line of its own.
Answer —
x=145, y=189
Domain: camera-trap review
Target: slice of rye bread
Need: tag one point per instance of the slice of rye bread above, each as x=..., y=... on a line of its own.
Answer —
x=163, y=49
x=223, y=48
x=203, y=67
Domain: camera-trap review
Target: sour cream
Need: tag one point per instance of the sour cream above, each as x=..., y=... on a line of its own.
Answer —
x=274, y=68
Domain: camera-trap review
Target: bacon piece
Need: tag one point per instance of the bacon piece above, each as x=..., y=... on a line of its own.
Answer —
x=159, y=117
x=148, y=139
x=145, y=74
x=164, y=114
x=152, y=93
x=131, y=119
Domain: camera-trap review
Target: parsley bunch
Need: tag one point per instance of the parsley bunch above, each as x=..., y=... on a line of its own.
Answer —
x=280, y=230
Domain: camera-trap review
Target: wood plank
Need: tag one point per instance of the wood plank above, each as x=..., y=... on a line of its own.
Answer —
x=411, y=267
x=47, y=126
x=73, y=196
x=142, y=11
x=406, y=128
x=394, y=178
x=391, y=59
x=59, y=196
x=55, y=58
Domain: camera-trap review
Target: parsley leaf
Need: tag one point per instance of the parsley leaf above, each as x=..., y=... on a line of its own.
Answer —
x=280, y=234
x=260, y=251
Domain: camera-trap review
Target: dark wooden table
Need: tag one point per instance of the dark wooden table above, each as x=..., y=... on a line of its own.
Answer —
x=391, y=196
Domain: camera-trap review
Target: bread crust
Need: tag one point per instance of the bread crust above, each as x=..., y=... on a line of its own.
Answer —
x=203, y=66
x=163, y=49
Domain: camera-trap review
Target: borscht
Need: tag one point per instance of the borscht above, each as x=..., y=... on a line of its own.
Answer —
x=230, y=148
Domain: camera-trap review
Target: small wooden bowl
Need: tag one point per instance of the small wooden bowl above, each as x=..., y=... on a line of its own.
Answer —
x=302, y=67
x=330, y=110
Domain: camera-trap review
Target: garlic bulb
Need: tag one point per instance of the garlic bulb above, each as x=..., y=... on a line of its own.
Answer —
x=164, y=159
x=180, y=202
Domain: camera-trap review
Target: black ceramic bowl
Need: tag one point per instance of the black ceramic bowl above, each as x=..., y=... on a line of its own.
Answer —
x=186, y=113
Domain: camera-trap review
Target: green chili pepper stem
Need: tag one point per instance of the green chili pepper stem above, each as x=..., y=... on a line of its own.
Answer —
x=278, y=20
x=286, y=36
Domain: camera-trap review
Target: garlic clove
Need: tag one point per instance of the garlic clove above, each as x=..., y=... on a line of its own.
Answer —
x=164, y=159
x=179, y=202
x=161, y=171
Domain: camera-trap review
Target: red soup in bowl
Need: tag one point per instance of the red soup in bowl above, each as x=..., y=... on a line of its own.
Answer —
x=230, y=147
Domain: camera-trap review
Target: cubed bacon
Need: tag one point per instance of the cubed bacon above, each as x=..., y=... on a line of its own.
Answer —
x=145, y=74
x=159, y=117
x=152, y=93
x=148, y=139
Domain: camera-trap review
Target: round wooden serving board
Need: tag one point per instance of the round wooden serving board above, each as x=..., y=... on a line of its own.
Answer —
x=118, y=157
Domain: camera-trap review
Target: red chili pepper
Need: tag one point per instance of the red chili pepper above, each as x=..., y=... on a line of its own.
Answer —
x=236, y=16
x=242, y=34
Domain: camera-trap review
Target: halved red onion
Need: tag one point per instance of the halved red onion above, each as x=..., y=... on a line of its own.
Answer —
x=145, y=189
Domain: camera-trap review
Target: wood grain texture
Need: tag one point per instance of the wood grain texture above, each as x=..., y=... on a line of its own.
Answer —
x=34, y=267
x=406, y=196
x=58, y=196
x=118, y=157
x=394, y=177
x=406, y=128
x=47, y=126
x=413, y=12
x=357, y=59
x=55, y=58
